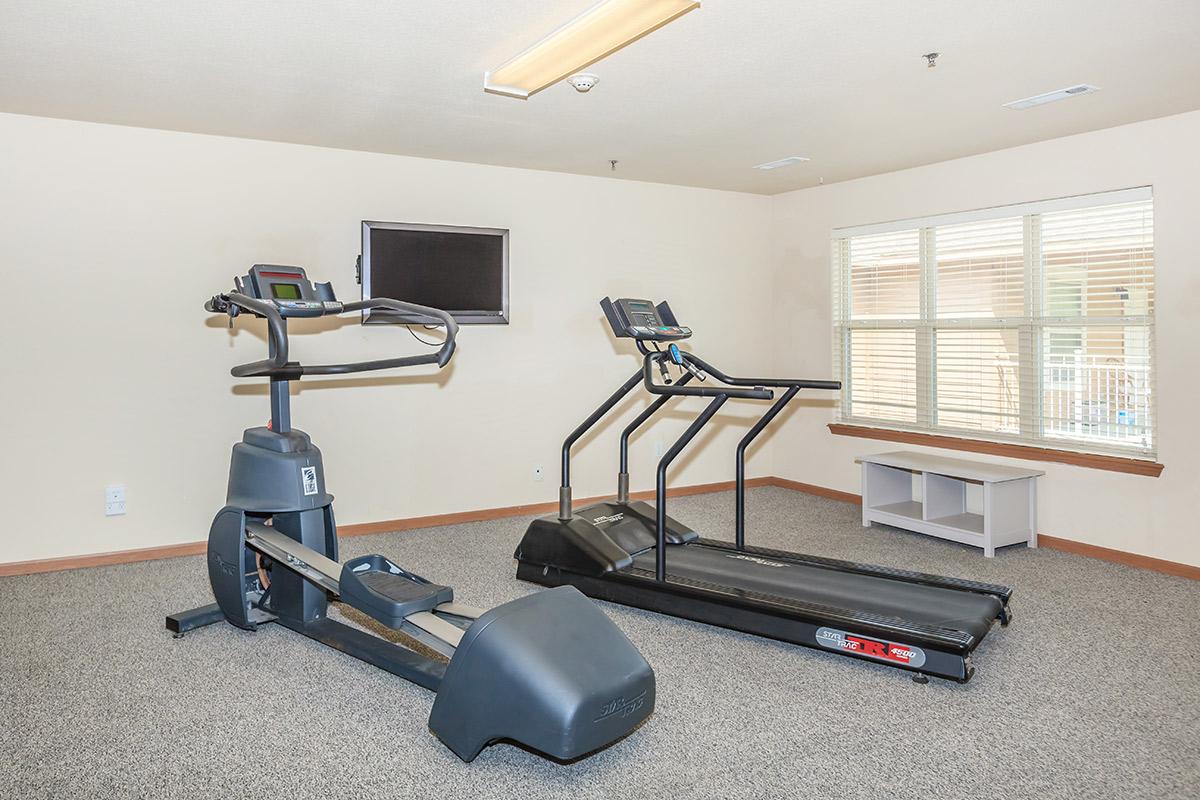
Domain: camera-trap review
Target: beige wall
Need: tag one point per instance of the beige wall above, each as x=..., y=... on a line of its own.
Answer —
x=1152, y=516
x=111, y=238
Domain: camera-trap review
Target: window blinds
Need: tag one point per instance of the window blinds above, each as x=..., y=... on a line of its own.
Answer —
x=1028, y=323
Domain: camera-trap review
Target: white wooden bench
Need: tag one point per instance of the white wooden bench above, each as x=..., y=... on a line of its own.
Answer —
x=1009, y=498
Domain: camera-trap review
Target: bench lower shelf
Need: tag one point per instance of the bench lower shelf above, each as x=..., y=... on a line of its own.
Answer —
x=1009, y=506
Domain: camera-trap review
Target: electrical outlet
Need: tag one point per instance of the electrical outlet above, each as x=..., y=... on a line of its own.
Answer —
x=538, y=473
x=114, y=501
x=659, y=448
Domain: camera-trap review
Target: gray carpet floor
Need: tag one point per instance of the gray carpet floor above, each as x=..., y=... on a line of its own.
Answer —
x=1093, y=692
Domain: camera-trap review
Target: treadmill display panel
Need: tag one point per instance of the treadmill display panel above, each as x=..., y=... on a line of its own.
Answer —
x=639, y=318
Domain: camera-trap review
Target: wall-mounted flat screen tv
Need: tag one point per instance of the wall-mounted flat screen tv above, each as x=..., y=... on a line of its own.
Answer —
x=461, y=270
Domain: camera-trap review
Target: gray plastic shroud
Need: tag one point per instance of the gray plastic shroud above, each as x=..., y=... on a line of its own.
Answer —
x=549, y=671
x=229, y=562
x=273, y=472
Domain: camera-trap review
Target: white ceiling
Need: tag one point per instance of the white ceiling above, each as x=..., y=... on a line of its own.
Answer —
x=698, y=102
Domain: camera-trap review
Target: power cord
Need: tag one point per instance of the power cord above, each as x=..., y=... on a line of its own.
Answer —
x=424, y=341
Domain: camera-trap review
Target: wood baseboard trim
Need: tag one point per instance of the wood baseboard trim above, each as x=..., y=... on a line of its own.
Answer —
x=529, y=510
x=819, y=491
x=1132, y=466
x=1120, y=557
x=534, y=509
x=1049, y=542
x=360, y=529
x=102, y=559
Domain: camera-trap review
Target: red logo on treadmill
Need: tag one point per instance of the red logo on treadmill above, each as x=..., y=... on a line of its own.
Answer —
x=892, y=652
x=878, y=649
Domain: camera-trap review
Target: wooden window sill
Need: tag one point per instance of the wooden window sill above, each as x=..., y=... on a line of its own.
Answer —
x=1133, y=466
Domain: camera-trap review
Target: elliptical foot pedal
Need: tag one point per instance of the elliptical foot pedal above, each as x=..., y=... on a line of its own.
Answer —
x=388, y=593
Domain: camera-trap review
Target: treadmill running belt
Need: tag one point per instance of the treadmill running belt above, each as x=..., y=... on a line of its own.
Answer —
x=965, y=611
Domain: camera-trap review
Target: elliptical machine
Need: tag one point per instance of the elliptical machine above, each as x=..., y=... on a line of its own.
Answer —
x=549, y=670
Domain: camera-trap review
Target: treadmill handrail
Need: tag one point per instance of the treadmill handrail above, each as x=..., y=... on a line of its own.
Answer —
x=802, y=383
x=734, y=388
x=793, y=386
x=677, y=390
x=641, y=419
x=564, y=490
x=660, y=483
x=739, y=466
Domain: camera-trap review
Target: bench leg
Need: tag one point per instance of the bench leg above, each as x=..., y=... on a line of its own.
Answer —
x=1032, y=512
x=866, y=503
x=989, y=550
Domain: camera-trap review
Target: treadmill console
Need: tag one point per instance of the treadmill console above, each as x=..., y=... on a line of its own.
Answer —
x=288, y=288
x=631, y=318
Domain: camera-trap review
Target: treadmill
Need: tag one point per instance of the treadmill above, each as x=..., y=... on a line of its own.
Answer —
x=631, y=552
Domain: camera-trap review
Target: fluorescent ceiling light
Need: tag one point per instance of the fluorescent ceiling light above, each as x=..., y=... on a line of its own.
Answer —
x=783, y=162
x=1050, y=97
x=598, y=32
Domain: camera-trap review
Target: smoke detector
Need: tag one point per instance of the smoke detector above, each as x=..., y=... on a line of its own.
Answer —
x=583, y=81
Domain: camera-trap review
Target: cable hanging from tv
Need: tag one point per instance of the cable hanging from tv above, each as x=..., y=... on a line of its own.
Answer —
x=424, y=341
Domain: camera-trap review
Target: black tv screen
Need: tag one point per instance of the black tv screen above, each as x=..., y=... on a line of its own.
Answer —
x=460, y=270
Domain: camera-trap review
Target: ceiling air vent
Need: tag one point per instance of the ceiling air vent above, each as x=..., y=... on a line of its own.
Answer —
x=1050, y=97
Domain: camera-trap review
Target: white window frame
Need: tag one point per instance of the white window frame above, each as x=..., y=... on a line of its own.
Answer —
x=1031, y=327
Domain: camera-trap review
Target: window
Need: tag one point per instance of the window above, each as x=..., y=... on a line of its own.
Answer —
x=1031, y=324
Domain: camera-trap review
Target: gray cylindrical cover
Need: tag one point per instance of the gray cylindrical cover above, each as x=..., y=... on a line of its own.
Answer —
x=274, y=472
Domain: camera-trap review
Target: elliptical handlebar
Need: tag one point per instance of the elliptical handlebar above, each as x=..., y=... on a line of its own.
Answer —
x=230, y=303
x=441, y=357
x=278, y=366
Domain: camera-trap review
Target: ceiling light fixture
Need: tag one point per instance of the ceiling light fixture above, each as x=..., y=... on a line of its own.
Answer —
x=783, y=162
x=598, y=32
x=1050, y=97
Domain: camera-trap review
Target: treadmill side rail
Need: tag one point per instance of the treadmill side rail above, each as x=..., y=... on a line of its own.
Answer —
x=1002, y=593
x=639, y=589
x=581, y=552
